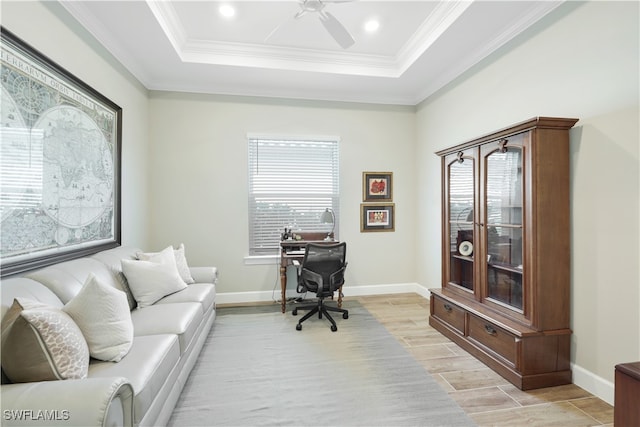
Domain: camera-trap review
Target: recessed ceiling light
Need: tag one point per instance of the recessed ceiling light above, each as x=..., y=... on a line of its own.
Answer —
x=227, y=11
x=372, y=25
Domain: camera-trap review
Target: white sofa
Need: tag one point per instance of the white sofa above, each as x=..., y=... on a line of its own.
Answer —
x=142, y=388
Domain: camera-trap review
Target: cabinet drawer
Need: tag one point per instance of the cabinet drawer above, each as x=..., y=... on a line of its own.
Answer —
x=494, y=338
x=449, y=313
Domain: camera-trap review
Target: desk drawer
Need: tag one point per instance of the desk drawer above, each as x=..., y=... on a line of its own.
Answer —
x=493, y=338
x=449, y=313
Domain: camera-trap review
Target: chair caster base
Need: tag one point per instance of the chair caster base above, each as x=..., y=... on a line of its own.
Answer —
x=321, y=311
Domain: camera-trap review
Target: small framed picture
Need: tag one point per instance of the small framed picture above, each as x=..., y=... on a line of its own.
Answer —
x=377, y=186
x=377, y=217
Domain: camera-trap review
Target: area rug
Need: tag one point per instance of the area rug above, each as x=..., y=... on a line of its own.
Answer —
x=257, y=370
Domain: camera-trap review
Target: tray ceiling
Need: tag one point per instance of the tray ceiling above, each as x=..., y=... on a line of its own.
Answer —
x=419, y=47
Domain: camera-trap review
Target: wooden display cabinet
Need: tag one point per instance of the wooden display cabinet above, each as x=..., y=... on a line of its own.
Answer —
x=626, y=411
x=505, y=250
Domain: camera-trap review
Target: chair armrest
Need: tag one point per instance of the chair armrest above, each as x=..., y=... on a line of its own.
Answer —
x=204, y=274
x=337, y=278
x=86, y=402
x=311, y=276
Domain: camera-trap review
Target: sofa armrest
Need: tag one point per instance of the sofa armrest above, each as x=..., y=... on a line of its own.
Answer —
x=86, y=402
x=204, y=274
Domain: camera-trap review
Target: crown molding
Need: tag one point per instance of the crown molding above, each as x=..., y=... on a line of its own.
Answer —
x=386, y=79
x=535, y=13
x=169, y=22
x=91, y=24
x=442, y=17
x=298, y=59
x=271, y=57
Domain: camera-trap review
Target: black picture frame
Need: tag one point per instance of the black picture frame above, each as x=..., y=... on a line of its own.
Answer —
x=377, y=217
x=60, y=163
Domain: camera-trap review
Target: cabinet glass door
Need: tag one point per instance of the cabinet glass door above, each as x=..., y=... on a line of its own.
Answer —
x=461, y=185
x=503, y=220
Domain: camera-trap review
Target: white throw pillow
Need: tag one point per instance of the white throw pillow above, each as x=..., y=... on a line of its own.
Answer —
x=181, y=263
x=154, y=279
x=102, y=314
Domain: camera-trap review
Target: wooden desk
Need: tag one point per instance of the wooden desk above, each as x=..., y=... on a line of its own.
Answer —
x=293, y=250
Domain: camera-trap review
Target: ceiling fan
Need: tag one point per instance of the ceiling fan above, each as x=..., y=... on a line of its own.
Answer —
x=330, y=23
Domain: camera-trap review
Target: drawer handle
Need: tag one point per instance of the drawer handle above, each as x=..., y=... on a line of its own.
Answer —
x=490, y=329
x=447, y=308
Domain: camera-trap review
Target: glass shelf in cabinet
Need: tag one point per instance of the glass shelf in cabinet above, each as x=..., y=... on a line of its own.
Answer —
x=506, y=267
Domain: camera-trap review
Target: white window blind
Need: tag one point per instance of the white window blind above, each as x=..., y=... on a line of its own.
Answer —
x=291, y=183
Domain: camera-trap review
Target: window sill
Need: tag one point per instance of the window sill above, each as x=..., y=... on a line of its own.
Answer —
x=261, y=259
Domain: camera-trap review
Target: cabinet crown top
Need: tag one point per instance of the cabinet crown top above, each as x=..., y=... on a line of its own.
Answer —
x=557, y=123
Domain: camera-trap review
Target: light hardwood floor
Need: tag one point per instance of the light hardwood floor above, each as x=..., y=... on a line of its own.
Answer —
x=486, y=397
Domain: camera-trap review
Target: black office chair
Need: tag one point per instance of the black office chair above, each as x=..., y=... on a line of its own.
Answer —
x=322, y=272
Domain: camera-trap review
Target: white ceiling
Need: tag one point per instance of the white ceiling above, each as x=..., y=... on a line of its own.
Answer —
x=189, y=46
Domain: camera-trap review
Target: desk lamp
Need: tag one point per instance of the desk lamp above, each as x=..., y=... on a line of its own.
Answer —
x=328, y=217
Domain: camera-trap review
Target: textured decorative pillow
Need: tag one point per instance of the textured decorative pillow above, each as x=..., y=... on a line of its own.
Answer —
x=14, y=311
x=41, y=343
x=183, y=267
x=154, y=279
x=102, y=314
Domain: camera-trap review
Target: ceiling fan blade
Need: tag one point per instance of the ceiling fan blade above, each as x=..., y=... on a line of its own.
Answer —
x=275, y=30
x=337, y=30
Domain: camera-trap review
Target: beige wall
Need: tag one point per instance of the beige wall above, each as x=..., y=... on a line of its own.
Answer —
x=49, y=28
x=569, y=65
x=199, y=175
x=189, y=185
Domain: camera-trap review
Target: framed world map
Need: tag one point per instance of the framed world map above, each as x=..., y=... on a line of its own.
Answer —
x=59, y=163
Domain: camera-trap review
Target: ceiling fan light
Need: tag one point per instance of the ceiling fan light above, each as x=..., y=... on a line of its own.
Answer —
x=372, y=25
x=227, y=11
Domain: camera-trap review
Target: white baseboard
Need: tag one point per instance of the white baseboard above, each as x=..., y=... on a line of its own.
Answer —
x=583, y=378
x=266, y=296
x=592, y=383
x=396, y=288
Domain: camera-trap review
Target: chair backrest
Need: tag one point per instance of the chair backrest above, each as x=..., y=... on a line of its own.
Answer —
x=326, y=260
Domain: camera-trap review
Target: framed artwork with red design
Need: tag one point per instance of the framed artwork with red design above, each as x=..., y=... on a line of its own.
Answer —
x=377, y=186
x=377, y=217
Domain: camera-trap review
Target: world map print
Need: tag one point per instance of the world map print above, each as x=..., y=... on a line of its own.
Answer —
x=57, y=171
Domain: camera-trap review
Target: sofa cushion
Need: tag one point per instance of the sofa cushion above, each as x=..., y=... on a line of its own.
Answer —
x=147, y=367
x=181, y=319
x=153, y=278
x=112, y=258
x=62, y=282
x=22, y=287
x=41, y=343
x=102, y=314
x=66, y=279
x=203, y=293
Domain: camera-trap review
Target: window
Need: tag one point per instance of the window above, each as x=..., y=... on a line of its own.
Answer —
x=291, y=183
